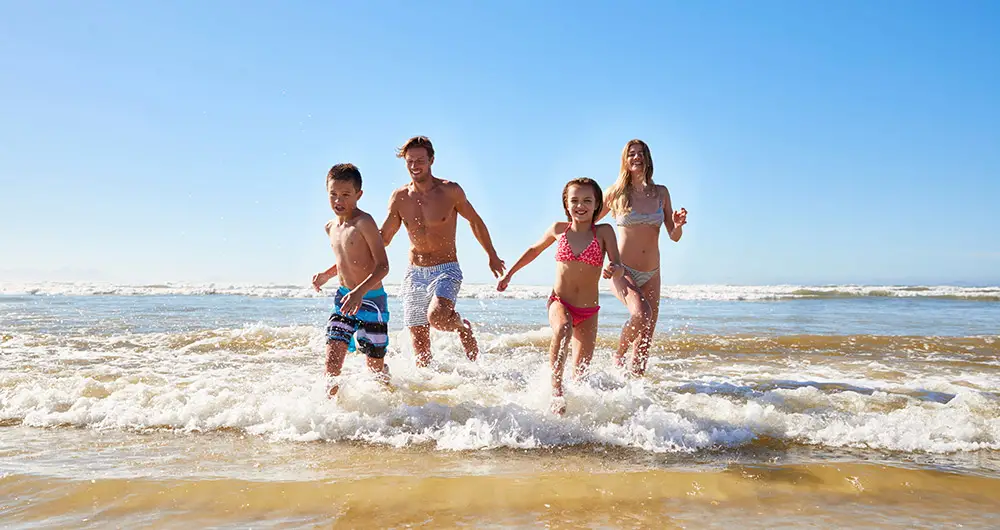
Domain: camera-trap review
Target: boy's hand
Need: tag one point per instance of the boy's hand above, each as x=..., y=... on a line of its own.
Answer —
x=351, y=302
x=502, y=284
x=680, y=217
x=497, y=266
x=319, y=280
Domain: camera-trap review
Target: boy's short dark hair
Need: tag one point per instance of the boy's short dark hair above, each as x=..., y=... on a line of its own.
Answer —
x=416, y=141
x=344, y=173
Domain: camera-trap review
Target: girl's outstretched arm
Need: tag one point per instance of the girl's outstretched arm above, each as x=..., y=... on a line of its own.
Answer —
x=529, y=255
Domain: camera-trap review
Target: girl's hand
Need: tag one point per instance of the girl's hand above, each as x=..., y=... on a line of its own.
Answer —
x=612, y=270
x=680, y=217
x=502, y=284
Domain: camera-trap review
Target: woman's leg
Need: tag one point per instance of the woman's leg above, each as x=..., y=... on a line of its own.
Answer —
x=651, y=293
x=639, y=313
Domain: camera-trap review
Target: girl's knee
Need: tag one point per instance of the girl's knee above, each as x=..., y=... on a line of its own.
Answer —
x=563, y=330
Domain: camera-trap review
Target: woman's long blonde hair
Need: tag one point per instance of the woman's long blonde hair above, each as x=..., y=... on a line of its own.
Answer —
x=619, y=198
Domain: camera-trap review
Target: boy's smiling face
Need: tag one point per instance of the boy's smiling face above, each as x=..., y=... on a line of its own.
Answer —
x=343, y=196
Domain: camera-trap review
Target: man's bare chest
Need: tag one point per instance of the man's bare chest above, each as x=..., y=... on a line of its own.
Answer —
x=427, y=213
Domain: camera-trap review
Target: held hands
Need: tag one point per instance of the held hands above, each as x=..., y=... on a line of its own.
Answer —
x=612, y=270
x=497, y=266
x=502, y=284
x=680, y=217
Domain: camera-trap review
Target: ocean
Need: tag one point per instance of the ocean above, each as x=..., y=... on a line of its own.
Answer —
x=203, y=405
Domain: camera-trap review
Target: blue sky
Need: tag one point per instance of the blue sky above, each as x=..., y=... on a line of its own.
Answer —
x=811, y=142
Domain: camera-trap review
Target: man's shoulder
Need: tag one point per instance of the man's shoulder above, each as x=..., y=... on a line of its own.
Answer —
x=451, y=188
x=400, y=192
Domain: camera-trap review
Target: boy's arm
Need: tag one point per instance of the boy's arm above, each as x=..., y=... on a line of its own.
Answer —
x=392, y=222
x=465, y=209
x=529, y=255
x=372, y=236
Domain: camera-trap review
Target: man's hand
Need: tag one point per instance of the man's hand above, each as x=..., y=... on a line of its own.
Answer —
x=497, y=266
x=680, y=218
x=351, y=302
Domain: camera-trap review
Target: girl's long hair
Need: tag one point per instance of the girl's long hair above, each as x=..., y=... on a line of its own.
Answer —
x=620, y=194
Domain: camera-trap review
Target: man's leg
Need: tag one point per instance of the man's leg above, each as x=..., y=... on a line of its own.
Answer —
x=442, y=316
x=416, y=299
x=421, y=338
x=441, y=312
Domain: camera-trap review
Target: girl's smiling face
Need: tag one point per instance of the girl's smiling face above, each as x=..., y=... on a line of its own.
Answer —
x=581, y=203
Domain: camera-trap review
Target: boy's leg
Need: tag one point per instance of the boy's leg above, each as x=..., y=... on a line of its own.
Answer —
x=339, y=330
x=335, y=352
x=379, y=368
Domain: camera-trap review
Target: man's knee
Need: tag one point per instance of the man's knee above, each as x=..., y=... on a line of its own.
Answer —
x=440, y=312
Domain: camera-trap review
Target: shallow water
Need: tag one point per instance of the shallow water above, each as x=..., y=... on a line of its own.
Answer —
x=209, y=410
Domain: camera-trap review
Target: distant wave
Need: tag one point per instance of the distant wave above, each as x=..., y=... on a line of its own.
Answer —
x=522, y=292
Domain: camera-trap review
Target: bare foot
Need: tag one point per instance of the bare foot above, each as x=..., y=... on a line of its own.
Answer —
x=332, y=391
x=558, y=405
x=423, y=359
x=383, y=376
x=468, y=341
x=619, y=360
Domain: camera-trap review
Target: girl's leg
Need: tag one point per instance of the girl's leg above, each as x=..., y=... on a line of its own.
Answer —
x=639, y=314
x=562, y=332
x=651, y=293
x=584, y=339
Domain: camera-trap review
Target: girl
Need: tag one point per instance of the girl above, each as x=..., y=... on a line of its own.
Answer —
x=573, y=304
x=640, y=207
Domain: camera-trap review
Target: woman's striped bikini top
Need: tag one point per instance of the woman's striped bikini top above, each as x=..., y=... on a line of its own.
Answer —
x=639, y=218
x=592, y=255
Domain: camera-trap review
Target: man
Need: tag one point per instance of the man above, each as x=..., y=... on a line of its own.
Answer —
x=429, y=207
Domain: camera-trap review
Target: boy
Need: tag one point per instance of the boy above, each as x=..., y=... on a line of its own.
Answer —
x=360, y=306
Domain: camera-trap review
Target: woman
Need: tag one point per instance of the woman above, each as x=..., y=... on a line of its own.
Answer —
x=638, y=206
